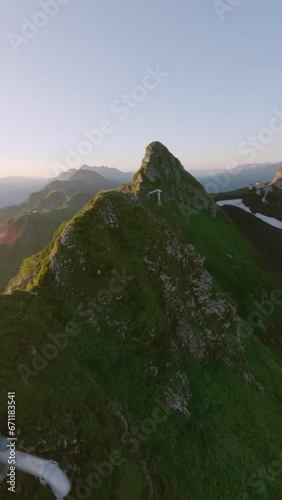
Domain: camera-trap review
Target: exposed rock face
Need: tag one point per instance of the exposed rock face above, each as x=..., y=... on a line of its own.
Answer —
x=191, y=318
x=158, y=162
x=277, y=181
x=161, y=170
x=202, y=319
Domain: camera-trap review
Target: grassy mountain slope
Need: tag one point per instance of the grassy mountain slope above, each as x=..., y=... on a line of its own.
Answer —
x=60, y=408
x=271, y=206
x=153, y=321
x=264, y=237
x=33, y=227
x=57, y=193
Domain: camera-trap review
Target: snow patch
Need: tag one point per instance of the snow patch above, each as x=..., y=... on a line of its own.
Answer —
x=239, y=204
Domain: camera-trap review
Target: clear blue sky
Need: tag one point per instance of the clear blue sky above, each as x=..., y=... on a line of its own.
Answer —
x=224, y=81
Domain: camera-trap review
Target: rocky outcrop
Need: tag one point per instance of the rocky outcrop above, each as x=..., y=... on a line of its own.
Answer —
x=277, y=181
x=161, y=170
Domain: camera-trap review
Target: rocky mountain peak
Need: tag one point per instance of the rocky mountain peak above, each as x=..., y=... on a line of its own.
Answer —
x=278, y=178
x=160, y=170
x=159, y=163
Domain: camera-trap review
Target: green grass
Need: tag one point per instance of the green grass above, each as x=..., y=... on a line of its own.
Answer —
x=34, y=231
x=234, y=427
x=230, y=258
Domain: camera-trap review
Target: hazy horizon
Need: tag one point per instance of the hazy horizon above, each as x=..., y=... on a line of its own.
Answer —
x=108, y=79
x=203, y=171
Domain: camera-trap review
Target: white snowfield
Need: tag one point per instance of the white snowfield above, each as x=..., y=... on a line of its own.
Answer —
x=239, y=203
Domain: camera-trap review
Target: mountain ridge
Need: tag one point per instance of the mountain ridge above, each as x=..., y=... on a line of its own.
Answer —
x=28, y=228
x=159, y=305
x=160, y=170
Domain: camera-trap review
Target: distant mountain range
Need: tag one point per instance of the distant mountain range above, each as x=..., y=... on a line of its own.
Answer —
x=15, y=190
x=239, y=177
x=112, y=174
x=28, y=228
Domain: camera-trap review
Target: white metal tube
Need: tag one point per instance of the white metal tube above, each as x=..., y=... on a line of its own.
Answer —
x=46, y=470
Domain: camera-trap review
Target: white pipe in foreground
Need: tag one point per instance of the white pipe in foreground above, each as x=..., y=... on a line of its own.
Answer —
x=46, y=470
